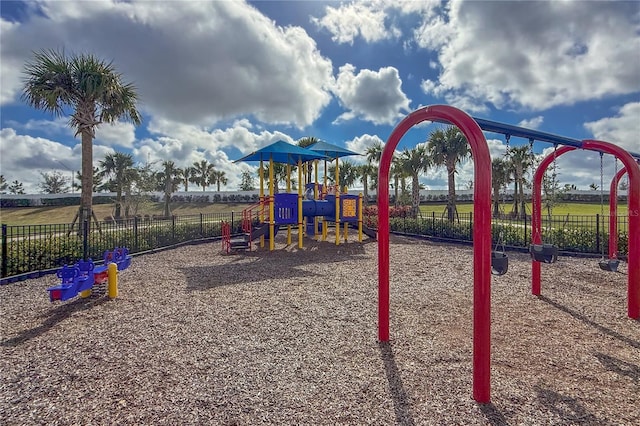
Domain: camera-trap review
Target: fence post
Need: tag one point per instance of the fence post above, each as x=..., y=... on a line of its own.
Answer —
x=201, y=226
x=135, y=233
x=433, y=223
x=3, y=273
x=470, y=226
x=597, y=232
x=525, y=230
x=85, y=239
x=173, y=228
x=233, y=223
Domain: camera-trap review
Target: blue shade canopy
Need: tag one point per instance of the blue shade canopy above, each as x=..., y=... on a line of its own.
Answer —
x=282, y=152
x=330, y=150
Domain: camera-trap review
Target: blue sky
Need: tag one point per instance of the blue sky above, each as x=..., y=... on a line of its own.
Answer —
x=218, y=80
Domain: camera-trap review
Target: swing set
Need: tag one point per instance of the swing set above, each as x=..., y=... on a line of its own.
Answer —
x=472, y=129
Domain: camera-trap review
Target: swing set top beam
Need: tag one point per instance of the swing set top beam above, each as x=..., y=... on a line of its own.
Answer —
x=536, y=135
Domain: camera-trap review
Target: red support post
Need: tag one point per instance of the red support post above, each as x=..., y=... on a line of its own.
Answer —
x=536, y=212
x=481, y=235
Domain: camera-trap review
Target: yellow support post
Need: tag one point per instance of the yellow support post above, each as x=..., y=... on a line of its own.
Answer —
x=337, y=204
x=260, y=211
x=315, y=198
x=272, y=213
x=300, y=185
x=325, y=225
x=112, y=280
x=346, y=227
x=360, y=204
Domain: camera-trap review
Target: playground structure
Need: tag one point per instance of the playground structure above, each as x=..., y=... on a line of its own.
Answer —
x=311, y=210
x=472, y=129
x=80, y=279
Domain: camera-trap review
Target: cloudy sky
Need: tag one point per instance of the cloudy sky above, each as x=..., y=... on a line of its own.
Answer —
x=219, y=79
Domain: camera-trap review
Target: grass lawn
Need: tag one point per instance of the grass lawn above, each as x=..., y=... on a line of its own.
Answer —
x=51, y=215
x=585, y=209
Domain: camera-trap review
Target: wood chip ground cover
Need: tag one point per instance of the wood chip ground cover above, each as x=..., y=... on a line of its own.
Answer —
x=289, y=337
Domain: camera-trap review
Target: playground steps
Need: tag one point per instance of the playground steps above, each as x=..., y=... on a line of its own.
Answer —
x=240, y=243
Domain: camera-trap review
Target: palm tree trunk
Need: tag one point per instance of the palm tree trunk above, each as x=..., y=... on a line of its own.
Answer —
x=451, y=202
x=514, y=212
x=118, y=211
x=396, y=183
x=415, y=196
x=496, y=202
x=523, y=210
x=86, y=196
x=365, y=192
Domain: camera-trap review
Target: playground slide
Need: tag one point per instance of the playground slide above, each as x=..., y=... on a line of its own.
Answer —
x=260, y=230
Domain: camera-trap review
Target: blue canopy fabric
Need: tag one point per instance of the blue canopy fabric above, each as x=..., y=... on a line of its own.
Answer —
x=283, y=152
x=330, y=150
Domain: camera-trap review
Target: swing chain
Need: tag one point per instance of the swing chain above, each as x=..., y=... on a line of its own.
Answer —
x=507, y=137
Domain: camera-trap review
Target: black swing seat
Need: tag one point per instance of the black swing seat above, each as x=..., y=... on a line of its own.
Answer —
x=499, y=263
x=610, y=265
x=546, y=253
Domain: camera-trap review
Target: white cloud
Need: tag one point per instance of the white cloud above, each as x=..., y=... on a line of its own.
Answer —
x=31, y=155
x=119, y=134
x=372, y=20
x=532, y=123
x=374, y=96
x=360, y=144
x=196, y=63
x=533, y=55
x=623, y=129
x=349, y=21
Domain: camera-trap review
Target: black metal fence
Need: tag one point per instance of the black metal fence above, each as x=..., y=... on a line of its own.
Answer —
x=587, y=234
x=35, y=249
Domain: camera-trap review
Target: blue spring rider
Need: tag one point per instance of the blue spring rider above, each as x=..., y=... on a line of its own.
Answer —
x=84, y=275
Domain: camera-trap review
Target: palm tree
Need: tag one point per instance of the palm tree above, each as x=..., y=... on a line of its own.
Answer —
x=347, y=173
x=398, y=173
x=89, y=86
x=500, y=177
x=374, y=153
x=447, y=148
x=303, y=143
x=219, y=177
x=97, y=184
x=279, y=175
x=118, y=166
x=169, y=180
x=202, y=174
x=414, y=162
x=520, y=160
x=3, y=184
x=366, y=171
x=185, y=176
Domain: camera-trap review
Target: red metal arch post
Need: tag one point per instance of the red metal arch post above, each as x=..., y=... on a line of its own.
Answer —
x=613, y=214
x=536, y=211
x=481, y=235
x=633, y=277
